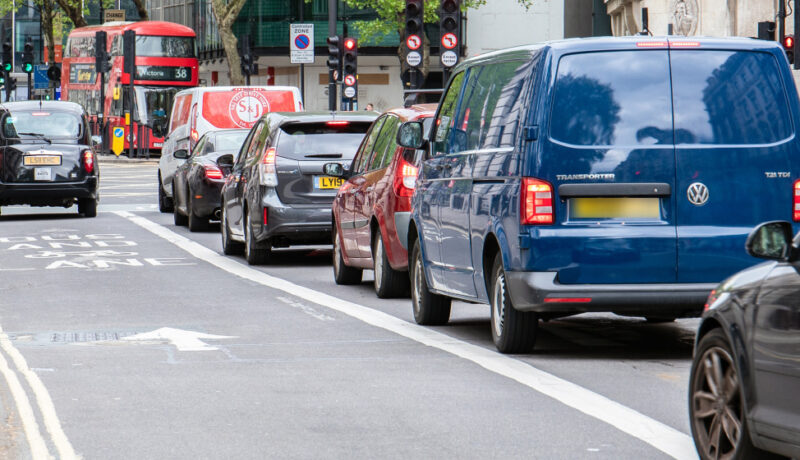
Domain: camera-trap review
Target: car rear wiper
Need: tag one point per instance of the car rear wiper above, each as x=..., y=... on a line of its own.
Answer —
x=323, y=155
x=38, y=136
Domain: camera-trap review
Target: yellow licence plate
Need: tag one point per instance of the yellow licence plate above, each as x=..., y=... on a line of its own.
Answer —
x=614, y=208
x=39, y=160
x=327, y=182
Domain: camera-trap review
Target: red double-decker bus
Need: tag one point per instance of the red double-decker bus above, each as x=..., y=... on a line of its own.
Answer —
x=166, y=62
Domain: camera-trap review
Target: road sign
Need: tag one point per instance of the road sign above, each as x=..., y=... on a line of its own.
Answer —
x=349, y=92
x=40, y=79
x=414, y=58
x=413, y=42
x=118, y=140
x=113, y=15
x=350, y=80
x=301, y=43
x=449, y=41
x=449, y=58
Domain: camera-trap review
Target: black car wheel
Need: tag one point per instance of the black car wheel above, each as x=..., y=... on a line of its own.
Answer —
x=388, y=281
x=87, y=207
x=343, y=274
x=429, y=309
x=229, y=247
x=164, y=202
x=196, y=223
x=254, y=253
x=716, y=406
x=513, y=331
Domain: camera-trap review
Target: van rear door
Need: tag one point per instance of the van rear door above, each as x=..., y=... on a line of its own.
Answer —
x=611, y=161
x=734, y=145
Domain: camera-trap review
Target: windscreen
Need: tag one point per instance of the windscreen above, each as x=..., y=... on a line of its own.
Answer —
x=162, y=46
x=229, y=141
x=42, y=124
x=307, y=141
x=157, y=103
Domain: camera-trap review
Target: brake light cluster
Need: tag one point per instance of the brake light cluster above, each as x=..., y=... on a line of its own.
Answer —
x=536, y=202
x=267, y=174
x=796, y=201
x=212, y=172
x=405, y=178
x=88, y=161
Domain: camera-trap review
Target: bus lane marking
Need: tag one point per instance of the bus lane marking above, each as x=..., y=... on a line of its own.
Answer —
x=663, y=437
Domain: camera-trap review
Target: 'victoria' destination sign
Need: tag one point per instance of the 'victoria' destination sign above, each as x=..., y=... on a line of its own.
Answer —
x=150, y=72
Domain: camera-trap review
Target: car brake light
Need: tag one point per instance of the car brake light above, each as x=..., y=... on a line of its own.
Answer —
x=568, y=300
x=266, y=215
x=652, y=44
x=536, y=202
x=337, y=123
x=267, y=175
x=212, y=172
x=712, y=297
x=88, y=161
x=405, y=178
x=684, y=44
x=796, y=201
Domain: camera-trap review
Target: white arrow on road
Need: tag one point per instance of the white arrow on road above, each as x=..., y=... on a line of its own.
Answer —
x=183, y=340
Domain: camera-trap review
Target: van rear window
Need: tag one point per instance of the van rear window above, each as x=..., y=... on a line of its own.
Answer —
x=728, y=97
x=619, y=98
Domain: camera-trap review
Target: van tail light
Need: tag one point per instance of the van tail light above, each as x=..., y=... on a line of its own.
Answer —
x=266, y=216
x=405, y=178
x=212, y=172
x=267, y=174
x=536, y=202
x=88, y=161
x=796, y=201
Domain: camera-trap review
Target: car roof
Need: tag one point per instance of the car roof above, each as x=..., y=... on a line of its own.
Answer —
x=279, y=118
x=219, y=89
x=63, y=106
x=414, y=112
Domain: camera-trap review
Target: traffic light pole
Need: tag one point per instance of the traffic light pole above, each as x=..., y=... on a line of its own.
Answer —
x=30, y=87
x=332, y=17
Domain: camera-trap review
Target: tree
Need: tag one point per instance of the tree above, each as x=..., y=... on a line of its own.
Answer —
x=391, y=18
x=75, y=10
x=226, y=12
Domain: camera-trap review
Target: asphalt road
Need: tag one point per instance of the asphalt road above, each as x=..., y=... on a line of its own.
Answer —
x=126, y=337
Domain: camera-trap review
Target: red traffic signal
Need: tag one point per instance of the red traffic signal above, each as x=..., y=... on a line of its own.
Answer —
x=349, y=43
x=788, y=42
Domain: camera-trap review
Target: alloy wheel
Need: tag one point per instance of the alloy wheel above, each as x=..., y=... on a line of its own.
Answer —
x=377, y=264
x=499, y=304
x=717, y=409
x=417, y=288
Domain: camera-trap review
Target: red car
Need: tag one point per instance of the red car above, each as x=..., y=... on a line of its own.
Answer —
x=373, y=207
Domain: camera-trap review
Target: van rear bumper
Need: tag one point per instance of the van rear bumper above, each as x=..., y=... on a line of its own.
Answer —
x=541, y=292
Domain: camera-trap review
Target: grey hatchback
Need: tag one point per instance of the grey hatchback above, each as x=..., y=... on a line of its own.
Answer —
x=277, y=194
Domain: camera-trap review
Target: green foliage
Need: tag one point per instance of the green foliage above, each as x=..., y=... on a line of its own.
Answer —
x=391, y=16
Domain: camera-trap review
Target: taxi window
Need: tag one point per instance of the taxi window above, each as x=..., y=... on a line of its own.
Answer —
x=46, y=124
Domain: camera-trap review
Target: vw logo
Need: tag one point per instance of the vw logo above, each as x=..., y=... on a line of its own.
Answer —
x=697, y=194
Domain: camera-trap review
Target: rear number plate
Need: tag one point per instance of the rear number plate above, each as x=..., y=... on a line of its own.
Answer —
x=327, y=182
x=42, y=174
x=614, y=208
x=41, y=160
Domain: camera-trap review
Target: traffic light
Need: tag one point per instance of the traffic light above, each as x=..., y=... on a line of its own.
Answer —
x=350, y=68
x=248, y=66
x=414, y=17
x=100, y=52
x=788, y=46
x=2, y=78
x=7, y=57
x=335, y=56
x=27, y=56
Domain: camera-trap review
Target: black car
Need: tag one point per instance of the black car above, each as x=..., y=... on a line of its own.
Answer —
x=277, y=194
x=745, y=378
x=47, y=156
x=198, y=181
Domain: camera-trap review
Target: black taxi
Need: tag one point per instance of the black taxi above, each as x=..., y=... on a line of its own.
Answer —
x=47, y=156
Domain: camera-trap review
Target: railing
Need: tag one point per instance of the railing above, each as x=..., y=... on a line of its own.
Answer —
x=141, y=144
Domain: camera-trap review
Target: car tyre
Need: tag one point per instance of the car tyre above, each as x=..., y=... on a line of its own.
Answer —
x=87, y=207
x=429, y=309
x=716, y=403
x=342, y=274
x=196, y=223
x=388, y=281
x=513, y=331
x=164, y=202
x=254, y=253
x=229, y=247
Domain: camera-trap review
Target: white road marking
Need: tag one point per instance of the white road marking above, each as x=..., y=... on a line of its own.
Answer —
x=661, y=436
x=43, y=400
x=306, y=309
x=183, y=340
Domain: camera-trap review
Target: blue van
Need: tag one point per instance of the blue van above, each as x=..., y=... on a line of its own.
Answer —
x=607, y=174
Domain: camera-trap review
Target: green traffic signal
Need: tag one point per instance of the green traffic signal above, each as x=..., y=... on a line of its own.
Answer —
x=7, y=66
x=2, y=80
x=27, y=67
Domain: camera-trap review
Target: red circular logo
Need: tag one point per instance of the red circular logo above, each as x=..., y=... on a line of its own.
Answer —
x=246, y=107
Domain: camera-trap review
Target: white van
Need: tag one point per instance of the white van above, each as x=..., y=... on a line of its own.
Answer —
x=199, y=110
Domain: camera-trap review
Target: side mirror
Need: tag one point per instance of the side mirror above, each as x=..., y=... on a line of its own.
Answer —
x=181, y=154
x=771, y=240
x=225, y=161
x=410, y=135
x=97, y=141
x=333, y=169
